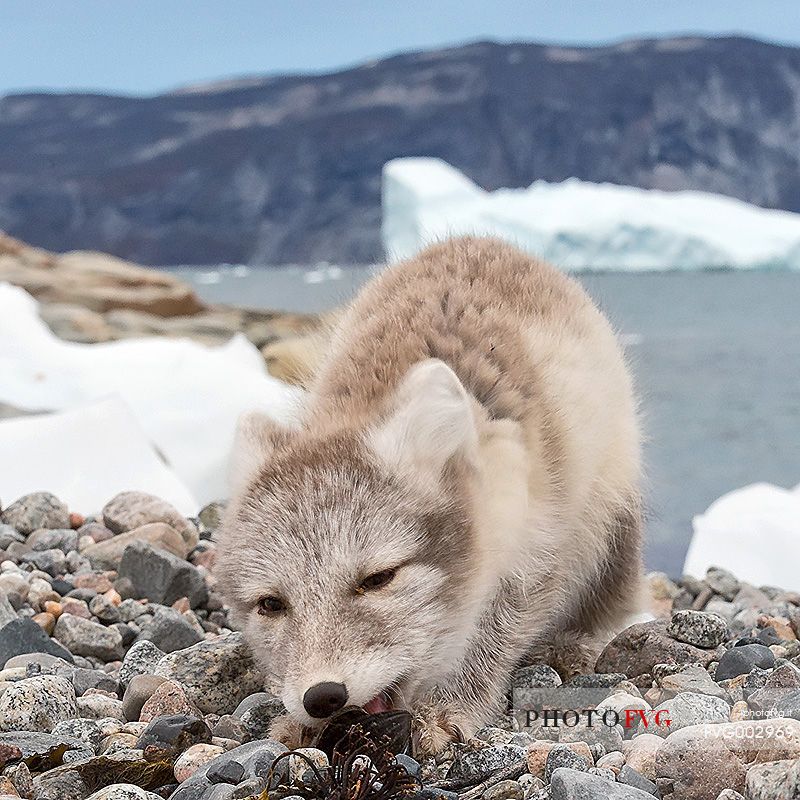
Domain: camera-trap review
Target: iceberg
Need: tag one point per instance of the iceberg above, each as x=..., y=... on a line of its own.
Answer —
x=585, y=226
x=754, y=532
x=184, y=396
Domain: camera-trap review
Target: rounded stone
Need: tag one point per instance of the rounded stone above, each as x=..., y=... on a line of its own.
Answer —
x=218, y=674
x=698, y=628
x=36, y=510
x=196, y=756
x=169, y=697
x=741, y=660
x=165, y=738
x=37, y=704
x=139, y=690
x=562, y=756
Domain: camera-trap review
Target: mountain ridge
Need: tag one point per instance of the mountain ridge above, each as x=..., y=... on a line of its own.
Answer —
x=286, y=168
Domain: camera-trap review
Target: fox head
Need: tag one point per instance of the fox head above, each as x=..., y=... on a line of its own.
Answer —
x=347, y=555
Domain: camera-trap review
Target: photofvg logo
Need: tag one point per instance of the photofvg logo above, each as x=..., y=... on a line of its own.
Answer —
x=628, y=718
x=567, y=707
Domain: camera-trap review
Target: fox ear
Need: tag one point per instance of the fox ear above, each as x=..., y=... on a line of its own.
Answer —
x=256, y=437
x=431, y=421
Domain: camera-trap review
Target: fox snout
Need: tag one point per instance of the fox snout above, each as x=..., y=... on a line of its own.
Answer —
x=323, y=699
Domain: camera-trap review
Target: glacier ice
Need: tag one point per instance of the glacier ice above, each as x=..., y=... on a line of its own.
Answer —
x=583, y=226
x=185, y=397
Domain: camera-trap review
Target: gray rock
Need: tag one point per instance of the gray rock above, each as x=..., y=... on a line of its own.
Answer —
x=256, y=757
x=685, y=709
x=140, y=689
x=210, y=515
x=141, y=659
x=21, y=636
x=53, y=562
x=60, y=785
x=37, y=704
x=570, y=784
x=43, y=662
x=637, y=649
x=162, y=577
x=730, y=794
x=562, y=756
x=257, y=719
x=64, y=539
x=218, y=673
x=102, y=608
x=722, y=582
x=230, y=727
x=130, y=510
x=597, y=680
x=740, y=660
x=86, y=638
x=774, y=780
x=476, y=765
x=504, y=790
x=100, y=706
x=37, y=510
x=693, y=679
x=536, y=676
x=169, y=630
x=698, y=628
x=43, y=750
x=84, y=679
x=7, y=612
x=123, y=791
x=168, y=736
x=108, y=554
x=9, y=535
x=130, y=610
x=84, y=730
x=630, y=777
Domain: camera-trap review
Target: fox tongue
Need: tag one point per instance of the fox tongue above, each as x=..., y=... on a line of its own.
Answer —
x=377, y=704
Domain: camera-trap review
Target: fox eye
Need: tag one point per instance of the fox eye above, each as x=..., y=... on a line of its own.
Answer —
x=377, y=580
x=271, y=606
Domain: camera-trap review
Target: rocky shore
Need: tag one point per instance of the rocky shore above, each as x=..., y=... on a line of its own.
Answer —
x=121, y=678
x=90, y=297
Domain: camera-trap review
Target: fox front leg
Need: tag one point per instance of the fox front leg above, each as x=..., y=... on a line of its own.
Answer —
x=476, y=692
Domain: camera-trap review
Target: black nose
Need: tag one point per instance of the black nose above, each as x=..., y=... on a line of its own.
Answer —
x=322, y=699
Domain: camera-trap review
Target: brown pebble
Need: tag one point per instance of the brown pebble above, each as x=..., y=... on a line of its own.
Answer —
x=90, y=580
x=540, y=749
x=113, y=597
x=76, y=520
x=702, y=599
x=51, y=607
x=47, y=622
x=182, y=605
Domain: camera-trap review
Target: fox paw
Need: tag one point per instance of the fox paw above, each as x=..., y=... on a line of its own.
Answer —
x=434, y=728
x=287, y=730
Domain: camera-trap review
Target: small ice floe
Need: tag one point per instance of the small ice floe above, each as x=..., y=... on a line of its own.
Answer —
x=754, y=532
x=324, y=272
x=185, y=396
x=208, y=278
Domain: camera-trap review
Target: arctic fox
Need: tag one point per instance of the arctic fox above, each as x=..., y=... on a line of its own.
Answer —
x=460, y=494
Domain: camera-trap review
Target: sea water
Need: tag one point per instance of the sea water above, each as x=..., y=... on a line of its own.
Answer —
x=716, y=356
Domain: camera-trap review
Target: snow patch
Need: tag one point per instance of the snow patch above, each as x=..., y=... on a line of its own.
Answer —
x=185, y=396
x=754, y=532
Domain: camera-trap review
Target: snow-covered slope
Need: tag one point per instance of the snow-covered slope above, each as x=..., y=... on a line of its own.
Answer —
x=185, y=397
x=580, y=225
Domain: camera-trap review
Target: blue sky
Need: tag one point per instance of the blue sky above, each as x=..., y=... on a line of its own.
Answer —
x=146, y=46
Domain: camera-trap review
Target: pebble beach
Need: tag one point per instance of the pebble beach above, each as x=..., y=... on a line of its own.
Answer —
x=123, y=679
